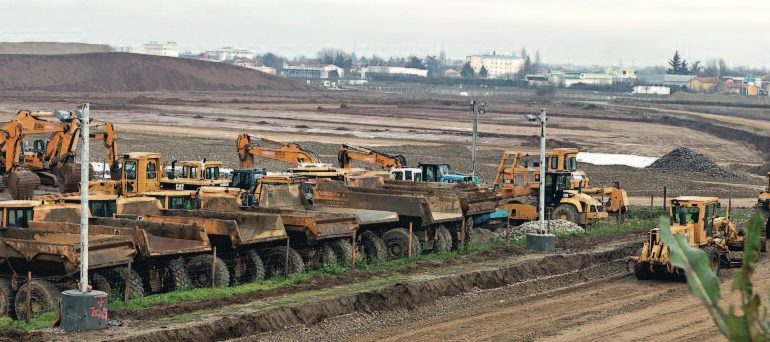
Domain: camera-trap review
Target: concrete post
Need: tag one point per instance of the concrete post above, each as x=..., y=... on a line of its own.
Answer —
x=84, y=166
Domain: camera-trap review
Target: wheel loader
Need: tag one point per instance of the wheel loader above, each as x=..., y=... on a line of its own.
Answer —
x=698, y=219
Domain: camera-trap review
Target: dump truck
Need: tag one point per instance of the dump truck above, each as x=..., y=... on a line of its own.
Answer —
x=433, y=216
x=53, y=257
x=698, y=219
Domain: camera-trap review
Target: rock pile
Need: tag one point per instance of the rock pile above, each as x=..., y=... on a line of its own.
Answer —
x=687, y=160
x=557, y=227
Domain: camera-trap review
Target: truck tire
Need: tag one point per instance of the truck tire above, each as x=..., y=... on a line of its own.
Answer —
x=372, y=247
x=482, y=235
x=397, y=242
x=275, y=262
x=321, y=255
x=642, y=271
x=176, y=276
x=6, y=297
x=199, y=269
x=714, y=259
x=44, y=296
x=99, y=282
x=117, y=282
x=443, y=241
x=343, y=250
x=254, y=268
x=566, y=212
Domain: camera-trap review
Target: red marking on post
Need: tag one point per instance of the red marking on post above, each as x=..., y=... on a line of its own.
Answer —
x=99, y=311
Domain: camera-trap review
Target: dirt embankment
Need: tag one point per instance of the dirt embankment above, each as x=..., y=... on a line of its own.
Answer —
x=130, y=72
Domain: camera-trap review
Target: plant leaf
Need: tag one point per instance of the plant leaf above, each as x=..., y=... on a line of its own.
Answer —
x=702, y=281
x=742, y=280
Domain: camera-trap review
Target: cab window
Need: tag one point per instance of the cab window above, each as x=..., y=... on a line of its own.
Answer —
x=102, y=208
x=130, y=170
x=162, y=200
x=18, y=218
x=151, y=170
x=212, y=173
x=398, y=175
x=185, y=203
x=193, y=172
x=408, y=175
x=554, y=163
x=418, y=177
x=572, y=161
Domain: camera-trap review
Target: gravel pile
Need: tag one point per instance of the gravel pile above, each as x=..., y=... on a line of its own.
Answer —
x=685, y=159
x=556, y=227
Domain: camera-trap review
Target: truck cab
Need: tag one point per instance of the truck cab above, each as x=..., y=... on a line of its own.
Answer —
x=195, y=174
x=19, y=213
x=441, y=173
x=407, y=174
x=246, y=179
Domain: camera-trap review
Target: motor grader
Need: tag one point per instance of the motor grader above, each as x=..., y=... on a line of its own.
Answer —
x=763, y=208
x=699, y=221
x=518, y=186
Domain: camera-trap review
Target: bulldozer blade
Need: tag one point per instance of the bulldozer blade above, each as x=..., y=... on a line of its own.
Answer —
x=21, y=184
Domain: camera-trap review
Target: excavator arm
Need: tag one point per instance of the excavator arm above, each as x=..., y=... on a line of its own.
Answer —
x=20, y=183
x=287, y=152
x=348, y=153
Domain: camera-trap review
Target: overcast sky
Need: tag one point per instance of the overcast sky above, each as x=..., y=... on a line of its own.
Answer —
x=564, y=31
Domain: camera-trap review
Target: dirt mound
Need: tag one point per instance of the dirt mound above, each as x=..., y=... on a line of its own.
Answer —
x=557, y=227
x=130, y=72
x=685, y=159
x=50, y=48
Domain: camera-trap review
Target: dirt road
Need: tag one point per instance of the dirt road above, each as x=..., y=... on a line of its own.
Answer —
x=616, y=308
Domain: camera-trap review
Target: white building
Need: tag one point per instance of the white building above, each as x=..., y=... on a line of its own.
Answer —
x=168, y=49
x=497, y=66
x=313, y=72
x=652, y=90
x=622, y=73
x=229, y=54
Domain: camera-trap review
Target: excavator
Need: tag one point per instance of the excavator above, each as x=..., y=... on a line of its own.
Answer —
x=396, y=164
x=53, y=160
x=698, y=220
x=287, y=152
x=19, y=181
x=565, y=160
x=518, y=187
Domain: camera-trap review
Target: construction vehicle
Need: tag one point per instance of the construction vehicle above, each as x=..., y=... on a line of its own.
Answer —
x=52, y=257
x=53, y=159
x=763, y=208
x=565, y=159
x=396, y=164
x=518, y=190
x=698, y=220
x=193, y=175
x=14, y=176
x=248, y=147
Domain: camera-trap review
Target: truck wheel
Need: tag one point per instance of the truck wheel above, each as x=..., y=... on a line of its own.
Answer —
x=343, y=250
x=276, y=262
x=321, y=255
x=117, y=283
x=372, y=247
x=714, y=260
x=482, y=235
x=397, y=242
x=566, y=212
x=6, y=297
x=443, y=242
x=43, y=296
x=100, y=283
x=176, y=276
x=254, y=268
x=199, y=268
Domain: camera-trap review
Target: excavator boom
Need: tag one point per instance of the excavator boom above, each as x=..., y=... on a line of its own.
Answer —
x=287, y=152
x=348, y=153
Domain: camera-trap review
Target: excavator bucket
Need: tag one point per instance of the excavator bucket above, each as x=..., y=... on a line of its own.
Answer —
x=21, y=184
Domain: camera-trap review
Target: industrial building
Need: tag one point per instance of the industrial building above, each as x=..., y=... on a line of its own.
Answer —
x=497, y=66
x=168, y=49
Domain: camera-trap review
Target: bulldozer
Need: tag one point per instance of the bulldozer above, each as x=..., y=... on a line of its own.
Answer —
x=194, y=174
x=518, y=186
x=698, y=219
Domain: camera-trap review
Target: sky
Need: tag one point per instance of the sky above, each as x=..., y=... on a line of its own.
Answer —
x=584, y=32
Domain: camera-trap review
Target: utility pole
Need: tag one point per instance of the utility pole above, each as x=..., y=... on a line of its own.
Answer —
x=543, y=240
x=476, y=108
x=84, y=163
x=543, y=166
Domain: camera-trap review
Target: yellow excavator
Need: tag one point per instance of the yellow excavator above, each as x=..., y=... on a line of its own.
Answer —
x=699, y=221
x=19, y=181
x=518, y=186
x=248, y=147
x=53, y=160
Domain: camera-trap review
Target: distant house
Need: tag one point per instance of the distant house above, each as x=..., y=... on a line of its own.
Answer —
x=702, y=84
x=677, y=81
x=569, y=79
x=374, y=72
x=537, y=80
x=497, y=66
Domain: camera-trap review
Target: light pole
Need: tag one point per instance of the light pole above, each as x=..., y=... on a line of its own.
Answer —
x=84, y=167
x=476, y=108
x=543, y=240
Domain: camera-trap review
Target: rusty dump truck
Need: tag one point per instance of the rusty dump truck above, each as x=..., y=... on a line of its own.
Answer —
x=52, y=257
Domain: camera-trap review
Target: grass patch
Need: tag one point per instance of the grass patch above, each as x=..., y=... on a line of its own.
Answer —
x=41, y=321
